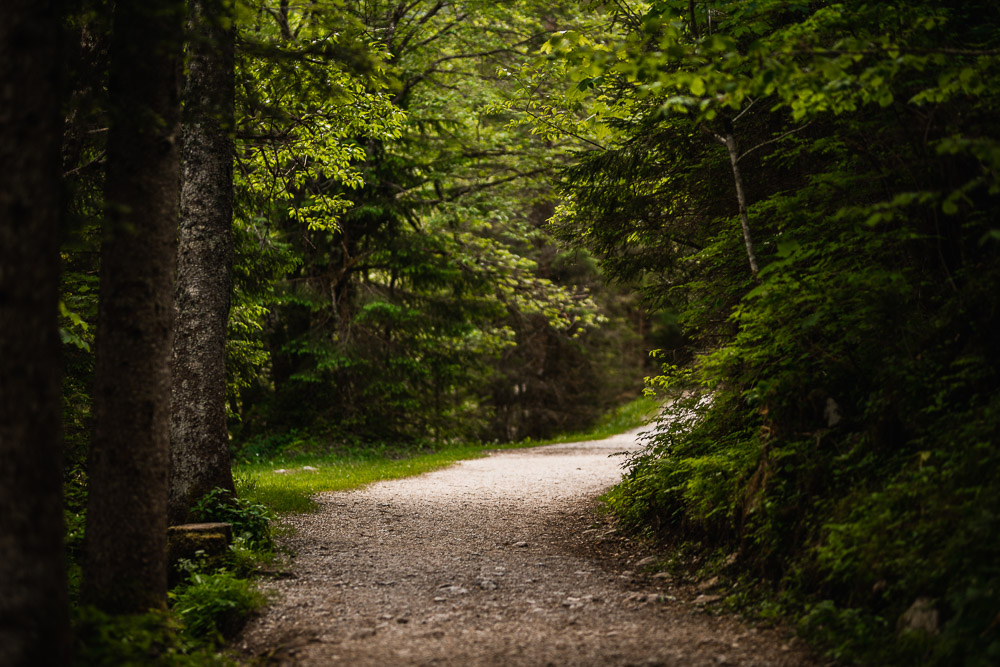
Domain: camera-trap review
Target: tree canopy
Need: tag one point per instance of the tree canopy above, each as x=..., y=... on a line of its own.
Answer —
x=839, y=423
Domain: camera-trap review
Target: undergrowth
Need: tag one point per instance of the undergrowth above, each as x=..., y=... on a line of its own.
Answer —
x=210, y=604
x=213, y=606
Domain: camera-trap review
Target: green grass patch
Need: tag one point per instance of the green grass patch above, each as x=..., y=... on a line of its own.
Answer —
x=633, y=414
x=287, y=485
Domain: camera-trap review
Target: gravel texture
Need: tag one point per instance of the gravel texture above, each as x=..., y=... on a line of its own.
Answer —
x=494, y=561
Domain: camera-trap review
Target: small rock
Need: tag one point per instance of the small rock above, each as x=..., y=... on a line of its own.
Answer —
x=648, y=560
x=703, y=600
x=440, y=599
x=310, y=468
x=280, y=471
x=920, y=616
x=487, y=584
x=662, y=575
x=708, y=584
x=520, y=545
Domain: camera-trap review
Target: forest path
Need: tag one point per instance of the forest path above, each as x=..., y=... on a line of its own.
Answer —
x=493, y=561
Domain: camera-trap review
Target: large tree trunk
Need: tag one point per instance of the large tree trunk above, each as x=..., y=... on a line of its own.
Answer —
x=125, y=569
x=34, y=611
x=199, y=437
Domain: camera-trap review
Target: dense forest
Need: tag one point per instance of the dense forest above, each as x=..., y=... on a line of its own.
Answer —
x=242, y=229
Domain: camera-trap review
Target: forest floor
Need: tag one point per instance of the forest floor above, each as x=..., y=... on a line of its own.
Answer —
x=502, y=560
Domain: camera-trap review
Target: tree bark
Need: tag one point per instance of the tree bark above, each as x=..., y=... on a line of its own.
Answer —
x=729, y=141
x=125, y=569
x=34, y=609
x=199, y=436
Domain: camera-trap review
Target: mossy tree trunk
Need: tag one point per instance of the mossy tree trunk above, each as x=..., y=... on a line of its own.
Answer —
x=125, y=568
x=199, y=438
x=34, y=616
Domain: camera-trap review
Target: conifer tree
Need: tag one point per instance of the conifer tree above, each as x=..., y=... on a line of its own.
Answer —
x=125, y=568
x=34, y=619
x=199, y=438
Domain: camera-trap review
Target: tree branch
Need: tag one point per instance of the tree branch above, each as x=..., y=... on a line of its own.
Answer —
x=771, y=141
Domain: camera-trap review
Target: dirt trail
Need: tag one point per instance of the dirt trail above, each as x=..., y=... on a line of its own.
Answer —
x=494, y=561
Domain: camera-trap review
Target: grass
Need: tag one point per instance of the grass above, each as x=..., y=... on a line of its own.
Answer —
x=291, y=489
x=632, y=415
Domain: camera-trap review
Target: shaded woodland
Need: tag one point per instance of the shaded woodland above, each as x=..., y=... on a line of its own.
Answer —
x=235, y=231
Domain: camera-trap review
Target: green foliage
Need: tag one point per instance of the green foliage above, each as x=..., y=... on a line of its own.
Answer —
x=74, y=513
x=838, y=426
x=251, y=521
x=410, y=296
x=102, y=640
x=213, y=607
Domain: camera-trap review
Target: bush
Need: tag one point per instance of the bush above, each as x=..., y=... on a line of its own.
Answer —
x=153, y=638
x=214, y=607
x=251, y=521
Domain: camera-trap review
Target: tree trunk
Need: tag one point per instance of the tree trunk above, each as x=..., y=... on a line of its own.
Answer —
x=125, y=569
x=34, y=610
x=729, y=141
x=199, y=437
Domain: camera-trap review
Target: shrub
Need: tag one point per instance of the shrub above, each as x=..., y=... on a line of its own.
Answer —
x=214, y=607
x=251, y=521
x=152, y=638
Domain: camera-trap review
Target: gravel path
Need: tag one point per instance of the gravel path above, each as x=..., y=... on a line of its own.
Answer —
x=493, y=561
